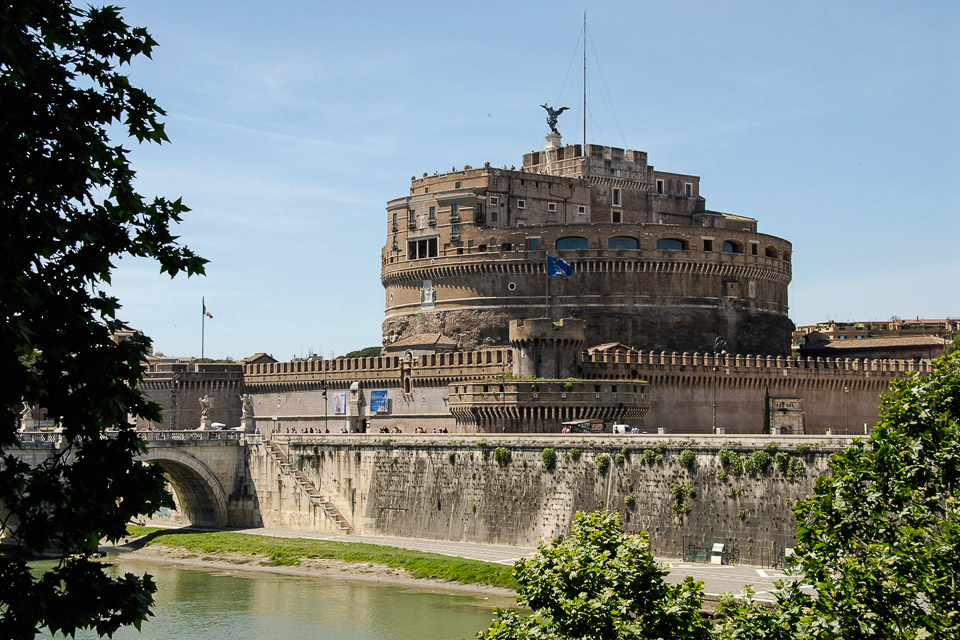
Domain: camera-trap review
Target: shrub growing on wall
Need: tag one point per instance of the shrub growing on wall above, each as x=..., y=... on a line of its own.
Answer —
x=731, y=461
x=688, y=459
x=502, y=455
x=549, y=457
x=603, y=462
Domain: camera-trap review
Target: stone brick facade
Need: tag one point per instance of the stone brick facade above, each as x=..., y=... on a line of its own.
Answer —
x=653, y=268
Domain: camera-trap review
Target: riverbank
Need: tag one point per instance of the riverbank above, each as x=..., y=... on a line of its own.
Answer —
x=322, y=559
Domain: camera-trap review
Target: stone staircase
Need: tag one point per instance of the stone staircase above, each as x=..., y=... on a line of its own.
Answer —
x=307, y=488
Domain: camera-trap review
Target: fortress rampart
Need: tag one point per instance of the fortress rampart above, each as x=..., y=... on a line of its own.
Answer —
x=834, y=394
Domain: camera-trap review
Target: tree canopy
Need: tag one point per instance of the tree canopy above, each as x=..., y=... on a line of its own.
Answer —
x=70, y=209
x=599, y=584
x=879, y=538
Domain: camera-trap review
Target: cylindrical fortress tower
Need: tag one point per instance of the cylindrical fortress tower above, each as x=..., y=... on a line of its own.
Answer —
x=546, y=349
x=652, y=268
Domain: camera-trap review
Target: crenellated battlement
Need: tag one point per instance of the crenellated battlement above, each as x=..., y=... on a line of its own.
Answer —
x=747, y=362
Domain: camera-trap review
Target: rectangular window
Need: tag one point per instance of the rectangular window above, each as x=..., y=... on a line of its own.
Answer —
x=495, y=181
x=581, y=209
x=616, y=197
x=456, y=185
x=708, y=245
x=454, y=210
x=494, y=201
x=422, y=248
x=394, y=219
x=411, y=218
x=454, y=230
x=688, y=189
x=659, y=186
x=433, y=214
x=551, y=207
x=493, y=215
x=753, y=248
x=617, y=216
x=533, y=244
x=521, y=204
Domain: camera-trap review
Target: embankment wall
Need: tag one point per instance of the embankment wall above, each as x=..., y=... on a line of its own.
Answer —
x=456, y=488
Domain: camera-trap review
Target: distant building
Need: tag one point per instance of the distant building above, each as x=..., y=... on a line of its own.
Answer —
x=886, y=348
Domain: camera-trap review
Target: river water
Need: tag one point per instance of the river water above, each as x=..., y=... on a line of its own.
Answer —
x=207, y=604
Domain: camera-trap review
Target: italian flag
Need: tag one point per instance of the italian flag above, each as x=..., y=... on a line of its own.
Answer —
x=205, y=312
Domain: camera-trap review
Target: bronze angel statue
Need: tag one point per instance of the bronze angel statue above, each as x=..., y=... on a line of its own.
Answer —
x=552, y=115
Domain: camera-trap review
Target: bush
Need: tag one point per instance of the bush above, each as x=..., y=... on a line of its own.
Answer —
x=549, y=457
x=603, y=462
x=781, y=460
x=651, y=457
x=688, y=459
x=574, y=454
x=619, y=459
x=758, y=463
x=568, y=386
x=630, y=500
x=796, y=469
x=731, y=461
x=502, y=455
x=599, y=582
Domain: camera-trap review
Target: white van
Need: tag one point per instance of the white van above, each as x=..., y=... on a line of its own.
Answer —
x=621, y=428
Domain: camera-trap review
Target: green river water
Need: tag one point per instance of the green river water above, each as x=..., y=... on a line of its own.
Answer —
x=203, y=604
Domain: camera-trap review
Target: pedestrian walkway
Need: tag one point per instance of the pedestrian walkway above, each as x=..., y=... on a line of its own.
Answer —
x=717, y=579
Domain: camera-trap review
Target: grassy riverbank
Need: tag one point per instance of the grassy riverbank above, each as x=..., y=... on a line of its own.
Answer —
x=292, y=551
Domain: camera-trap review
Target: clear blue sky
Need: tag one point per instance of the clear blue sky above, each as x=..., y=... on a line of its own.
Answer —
x=833, y=123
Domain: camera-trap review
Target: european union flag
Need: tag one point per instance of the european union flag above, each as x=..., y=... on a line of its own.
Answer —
x=558, y=267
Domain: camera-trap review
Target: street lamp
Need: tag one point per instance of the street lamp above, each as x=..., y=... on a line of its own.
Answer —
x=846, y=408
x=323, y=384
x=718, y=347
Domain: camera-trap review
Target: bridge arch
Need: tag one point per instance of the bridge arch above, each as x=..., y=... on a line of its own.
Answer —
x=203, y=501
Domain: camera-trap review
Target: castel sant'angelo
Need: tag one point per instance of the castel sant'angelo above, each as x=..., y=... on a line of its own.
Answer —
x=585, y=288
x=652, y=266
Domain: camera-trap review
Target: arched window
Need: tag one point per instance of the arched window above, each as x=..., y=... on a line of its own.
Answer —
x=770, y=252
x=729, y=246
x=672, y=244
x=622, y=242
x=572, y=243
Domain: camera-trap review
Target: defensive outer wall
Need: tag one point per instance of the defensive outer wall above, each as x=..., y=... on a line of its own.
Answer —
x=834, y=394
x=460, y=488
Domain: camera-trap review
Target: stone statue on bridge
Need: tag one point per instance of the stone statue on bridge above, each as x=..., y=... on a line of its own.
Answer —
x=206, y=404
x=247, y=400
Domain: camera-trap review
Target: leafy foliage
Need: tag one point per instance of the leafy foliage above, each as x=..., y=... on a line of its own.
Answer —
x=502, y=455
x=603, y=462
x=879, y=540
x=70, y=210
x=549, y=457
x=688, y=459
x=731, y=461
x=758, y=463
x=366, y=352
x=599, y=583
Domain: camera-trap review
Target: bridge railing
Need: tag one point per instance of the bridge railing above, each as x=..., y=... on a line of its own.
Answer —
x=187, y=436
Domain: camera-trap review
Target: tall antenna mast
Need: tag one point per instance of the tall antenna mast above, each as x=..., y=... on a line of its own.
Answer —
x=585, y=83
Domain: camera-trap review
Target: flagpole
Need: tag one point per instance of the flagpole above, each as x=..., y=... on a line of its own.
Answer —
x=546, y=288
x=203, y=323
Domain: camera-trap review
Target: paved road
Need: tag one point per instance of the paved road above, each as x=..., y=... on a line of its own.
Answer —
x=716, y=579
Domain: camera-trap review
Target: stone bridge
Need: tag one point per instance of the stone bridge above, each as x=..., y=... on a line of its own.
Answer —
x=206, y=469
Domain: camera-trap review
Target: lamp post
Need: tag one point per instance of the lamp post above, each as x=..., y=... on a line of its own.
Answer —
x=718, y=348
x=324, y=394
x=846, y=409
